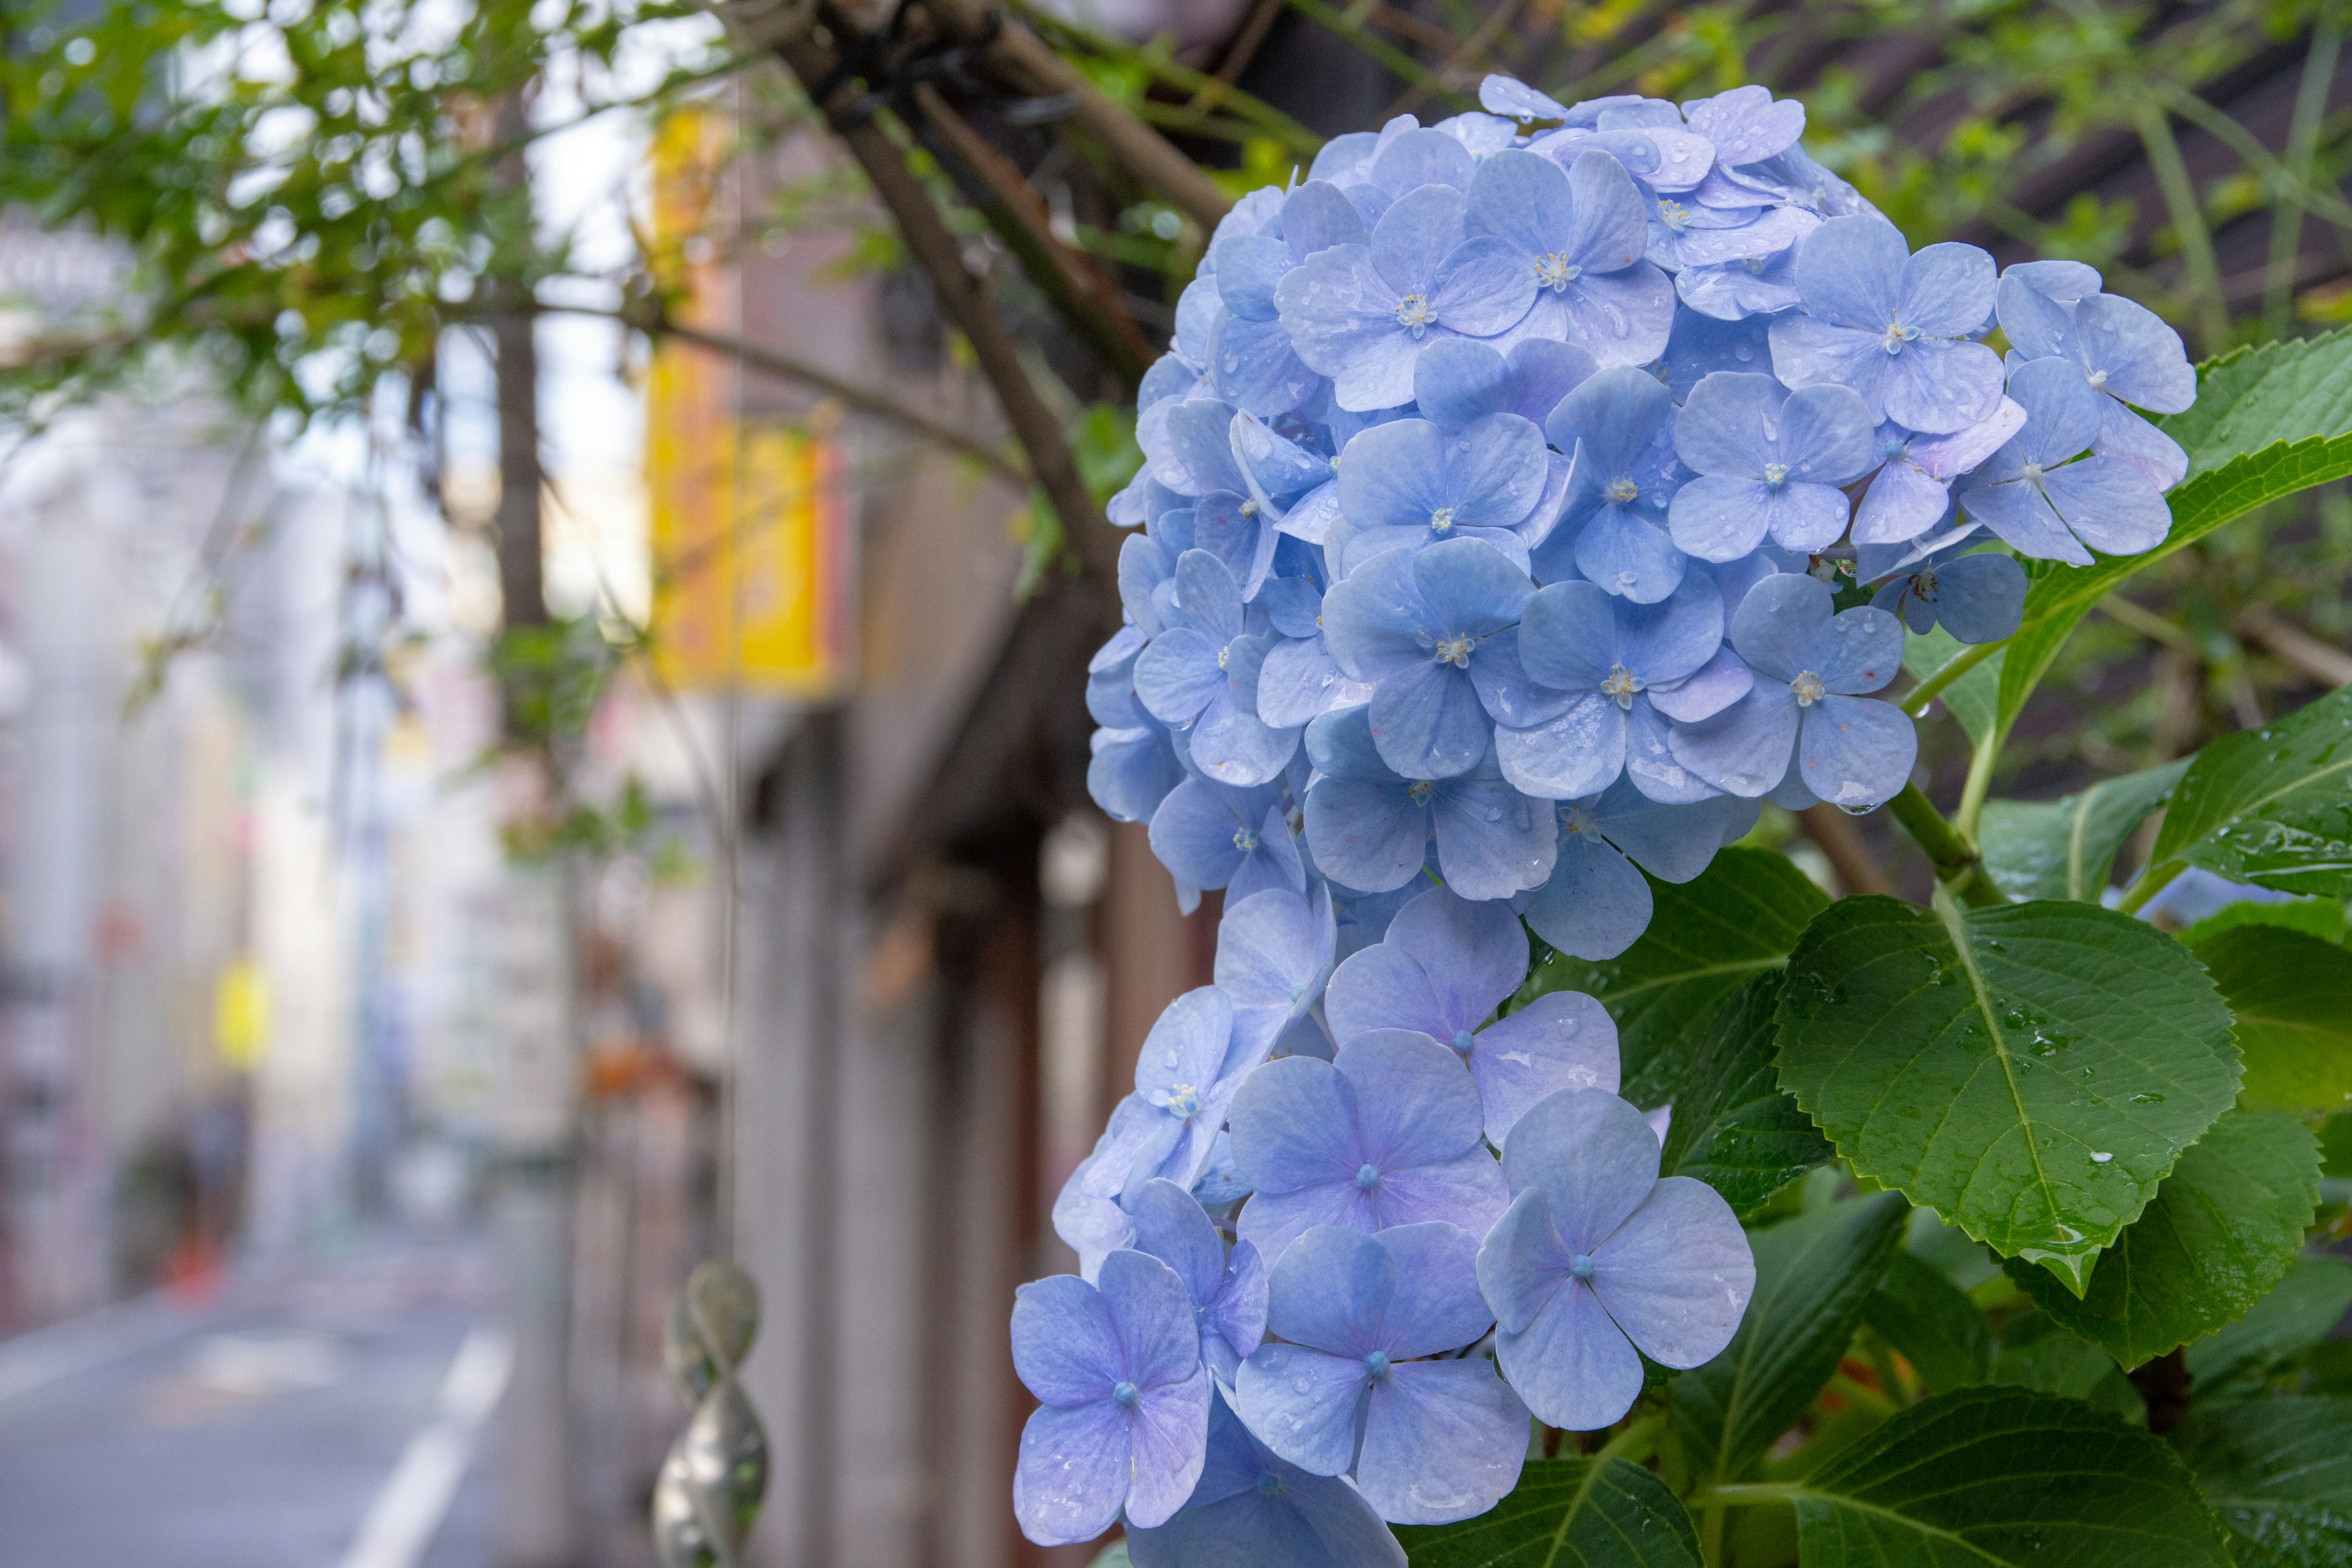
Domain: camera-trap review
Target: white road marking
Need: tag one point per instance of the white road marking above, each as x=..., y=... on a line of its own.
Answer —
x=401, y=1521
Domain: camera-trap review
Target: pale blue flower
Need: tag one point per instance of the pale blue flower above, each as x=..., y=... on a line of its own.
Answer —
x=1253, y=1509
x=1978, y=597
x=1227, y=1290
x=1123, y=1422
x=1110, y=681
x=1386, y=1133
x=1445, y=966
x=1688, y=233
x=1210, y=835
x=1599, y=1262
x=2125, y=352
x=1619, y=428
x=1410, y=484
x=1732, y=290
x=1462, y=380
x=1202, y=677
x=1371, y=827
x=1190, y=1066
x=1428, y=1440
x=2046, y=500
x=1912, y=492
x=1747, y=124
x=1597, y=904
x=1275, y=950
x=1299, y=679
x=1131, y=770
x=1580, y=233
x=1769, y=462
x=1811, y=666
x=1702, y=345
x=1893, y=326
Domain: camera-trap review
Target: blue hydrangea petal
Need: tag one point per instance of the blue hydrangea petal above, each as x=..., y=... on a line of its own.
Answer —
x=1734, y=291
x=1521, y=1264
x=1713, y=244
x=1619, y=318
x=1578, y=1147
x=1428, y=721
x=1729, y=424
x=1293, y=1129
x=1744, y=749
x=2037, y=325
x=2139, y=356
x=1673, y=842
x=1186, y=1047
x=1094, y=1226
x=1330, y=1292
x=1443, y=1440
x=1411, y=243
x=1780, y=621
x=1946, y=290
x=1472, y=589
x=1177, y=675
x=1170, y=1438
x=1234, y=1324
x=1568, y=635
x=1073, y=1475
x=1384, y=987
x=1594, y=907
x=1303, y=1403
x=1231, y=744
x=1939, y=388
x=1542, y=373
x=1825, y=436
x=1210, y=594
x=1341, y=314
x=1577, y=753
x=1850, y=270
x=1375, y=621
x=1172, y=1227
x=1247, y=267
x=1467, y=1191
x=1572, y=1365
x=1299, y=681
x=1435, y=1306
x=1065, y=1343
x=1159, y=1334
x=1474, y=954
x=1427, y=157
x=1273, y=952
x=2062, y=417
x=1718, y=518
x=1981, y=597
x=1626, y=553
x=1515, y=100
x=2020, y=516
x=1201, y=447
x=1317, y=217
x=1491, y=840
x=1394, y=475
x=1677, y=1275
x=1496, y=468
x=1196, y=313
x=1699, y=346
x=1563, y=1039
x=1252, y=366
x=1747, y=124
x=1274, y=865
x=1415, y=1106
x=1668, y=641
x=1715, y=685
x=2111, y=505
x=1343, y=157
x=1855, y=752
x=1459, y=380
x=1264, y=1512
x=1130, y=771
x=2123, y=434
x=1481, y=289
x=1524, y=200
x=1858, y=650
x=1902, y=503
x=1651, y=765
x=1512, y=696
x=1369, y=834
x=1198, y=829
x=1808, y=352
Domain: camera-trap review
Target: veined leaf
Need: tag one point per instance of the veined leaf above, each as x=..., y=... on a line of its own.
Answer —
x=2253, y=397
x=1813, y=1275
x=2219, y=1234
x=1928, y=1319
x=1566, y=1513
x=2067, y=848
x=2039, y=1352
x=2272, y=806
x=1706, y=938
x=2031, y=1072
x=1734, y=1127
x=2279, y=1472
x=2293, y=994
x=2310, y=1299
x=1992, y=1477
x=2322, y=918
x=1974, y=699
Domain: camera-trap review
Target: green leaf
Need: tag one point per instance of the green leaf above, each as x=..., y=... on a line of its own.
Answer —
x=1733, y=1126
x=2335, y=1146
x=2322, y=918
x=1112, y=1556
x=2292, y=996
x=1566, y=1513
x=2067, y=848
x=1990, y=1477
x=1931, y=1323
x=2272, y=806
x=1813, y=1275
x=2254, y=398
x=1736, y=920
x=2029, y=1071
x=2040, y=1353
x=2279, y=1472
x=2310, y=1299
x=1974, y=698
x=2220, y=1231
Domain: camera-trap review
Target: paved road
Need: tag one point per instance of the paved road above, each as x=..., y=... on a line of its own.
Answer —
x=322, y=1417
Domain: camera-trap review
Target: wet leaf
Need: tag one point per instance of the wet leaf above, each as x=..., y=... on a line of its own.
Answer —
x=2292, y=995
x=2271, y=807
x=2310, y=1299
x=1734, y=1127
x=2067, y=848
x=1931, y=1323
x=2279, y=1472
x=1566, y=1513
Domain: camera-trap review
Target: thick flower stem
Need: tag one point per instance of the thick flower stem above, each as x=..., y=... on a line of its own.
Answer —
x=1958, y=866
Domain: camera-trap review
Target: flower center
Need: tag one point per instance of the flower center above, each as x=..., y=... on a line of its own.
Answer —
x=1673, y=215
x=1368, y=1177
x=1896, y=336
x=1808, y=688
x=1184, y=1102
x=1269, y=1485
x=1776, y=473
x=1756, y=264
x=1556, y=271
x=1377, y=1364
x=1221, y=655
x=1464, y=1040
x=1624, y=490
x=1923, y=585
x=1124, y=1395
x=1420, y=790
x=1442, y=521
x=1621, y=684
x=1581, y=1266
x=1249, y=508
x=2099, y=379
x=1455, y=651
x=1415, y=314
x=2031, y=473
x=1244, y=840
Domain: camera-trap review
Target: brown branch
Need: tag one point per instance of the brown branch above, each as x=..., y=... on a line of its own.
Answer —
x=936, y=251
x=1835, y=836
x=1442, y=74
x=2322, y=661
x=1020, y=217
x=1259, y=23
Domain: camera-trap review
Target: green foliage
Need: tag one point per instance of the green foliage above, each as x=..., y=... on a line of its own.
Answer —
x=1995, y=1477
x=2293, y=994
x=2218, y=1235
x=2310, y=1299
x=2039, y=1352
x=2031, y=1071
x=2271, y=807
x=2322, y=918
x=1733, y=1126
x=1925, y=1316
x=1707, y=936
x=1602, y=1513
x=2067, y=848
x=2279, y=1471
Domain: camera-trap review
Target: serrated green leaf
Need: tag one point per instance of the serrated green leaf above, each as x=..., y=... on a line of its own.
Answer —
x=1812, y=1275
x=2219, y=1233
x=2067, y=848
x=2272, y=806
x=2310, y=1299
x=1934, y=1326
x=1706, y=938
x=2292, y=995
x=2253, y=397
x=2279, y=1472
x=2322, y=918
x=2030, y=1072
x=1733, y=1126
x=1566, y=1513
x=2039, y=1352
x=1987, y=1478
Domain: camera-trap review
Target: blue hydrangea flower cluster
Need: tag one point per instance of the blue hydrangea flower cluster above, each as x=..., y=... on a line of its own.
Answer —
x=1502, y=489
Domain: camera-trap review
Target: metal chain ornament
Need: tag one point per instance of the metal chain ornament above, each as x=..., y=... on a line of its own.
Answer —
x=711, y=1483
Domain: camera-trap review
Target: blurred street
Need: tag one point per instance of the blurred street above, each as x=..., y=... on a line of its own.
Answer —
x=322, y=1417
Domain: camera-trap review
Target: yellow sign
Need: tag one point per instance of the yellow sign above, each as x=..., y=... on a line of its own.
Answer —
x=241, y=1013
x=749, y=520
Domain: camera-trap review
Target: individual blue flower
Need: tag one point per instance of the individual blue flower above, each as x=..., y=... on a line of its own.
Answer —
x=1227, y=1290
x=2044, y=499
x=1369, y=827
x=1619, y=428
x=1197, y=456
x=1976, y=597
x=1769, y=462
x=1362, y=313
x=1275, y=950
x=1123, y=1418
x=1445, y=966
x=1254, y=1510
x=2125, y=352
x=1250, y=360
x=1599, y=669
x=1912, y=492
x=1460, y=381
x=1893, y=326
x=1192, y=1064
x=1646, y=135
x=1428, y=1440
x=1387, y=1132
x=1132, y=772
x=1811, y=666
x=1733, y=291
x=1747, y=124
x=1688, y=233
x=1412, y=624
x=1205, y=675
x=1599, y=1261
x=1291, y=481
x=1597, y=903
x=1581, y=233
x=1411, y=484
x=1299, y=679
x=1209, y=834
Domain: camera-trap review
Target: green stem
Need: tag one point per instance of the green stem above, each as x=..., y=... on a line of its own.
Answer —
x=1745, y=1494
x=1956, y=860
x=1979, y=781
x=1632, y=1441
x=1915, y=700
x=2148, y=884
x=2203, y=269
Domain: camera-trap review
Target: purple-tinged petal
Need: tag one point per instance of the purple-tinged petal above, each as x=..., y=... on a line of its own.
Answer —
x=1747, y=124
x=1492, y=840
x=1856, y=752
x=1474, y=954
x=1384, y=987
x=1443, y=1441
x=1170, y=1441
x=1467, y=1192
x=1172, y=1226
x=1948, y=456
x=1715, y=685
x=1521, y=1264
x=1415, y=1103
x=1074, y=1472
x=1579, y=1146
x=1236, y=1312
x=1572, y=1365
x=1330, y=1291
x=1186, y=1047
x=1435, y=1306
x=1302, y=1404
x=1293, y=1129
x=1563, y=1039
x=1065, y=1343
x=1677, y=1275
x=2137, y=357
x=1483, y=288
x=1672, y=843
x=2123, y=434
x=1273, y=1222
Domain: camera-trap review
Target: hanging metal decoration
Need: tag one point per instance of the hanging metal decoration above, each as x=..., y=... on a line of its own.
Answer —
x=711, y=1485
